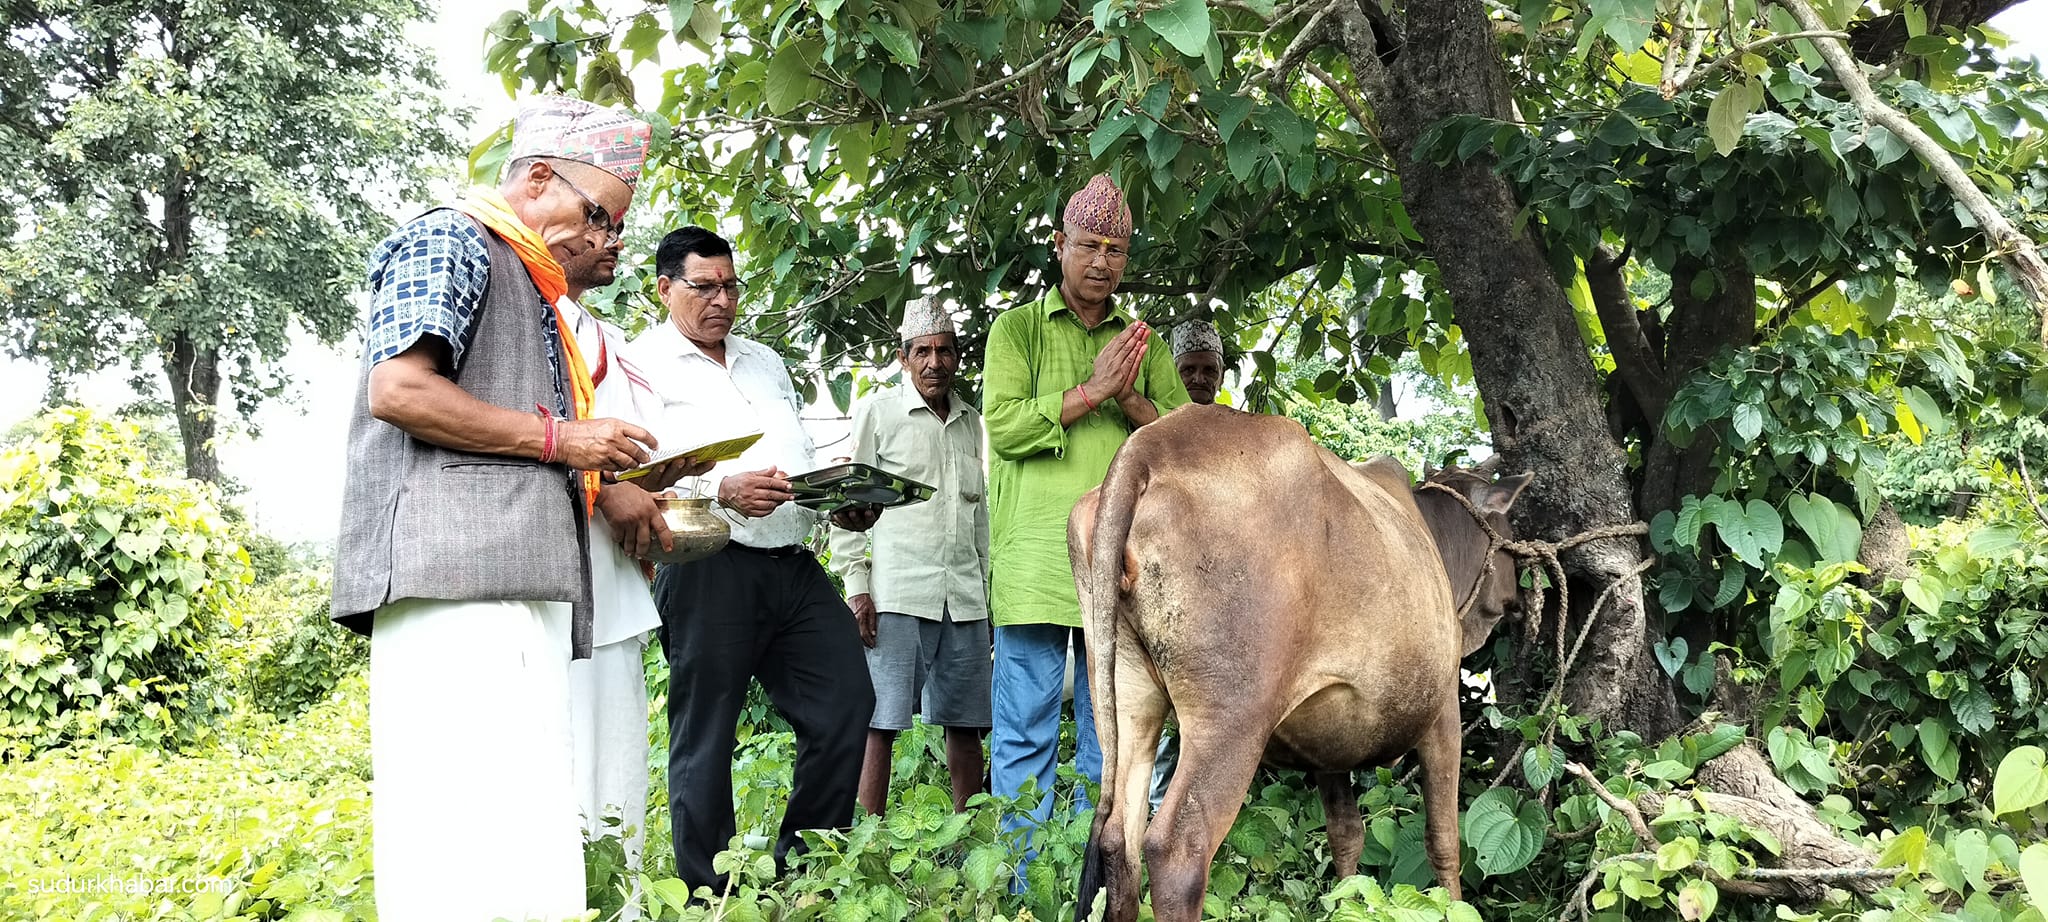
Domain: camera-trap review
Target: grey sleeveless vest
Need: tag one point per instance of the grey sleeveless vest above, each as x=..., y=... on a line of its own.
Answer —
x=419, y=521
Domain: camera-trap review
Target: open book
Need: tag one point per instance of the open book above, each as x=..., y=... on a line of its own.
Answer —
x=721, y=450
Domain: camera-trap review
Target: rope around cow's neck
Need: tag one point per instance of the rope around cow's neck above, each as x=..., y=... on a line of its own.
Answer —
x=1544, y=553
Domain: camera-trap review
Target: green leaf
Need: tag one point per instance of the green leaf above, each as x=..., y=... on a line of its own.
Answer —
x=1697, y=899
x=1230, y=113
x=1039, y=10
x=1939, y=752
x=1618, y=130
x=1994, y=540
x=705, y=27
x=1972, y=851
x=1542, y=764
x=983, y=865
x=1668, y=770
x=1505, y=831
x=1925, y=411
x=1749, y=421
x=789, y=80
x=1678, y=854
x=679, y=13
x=1184, y=24
x=1161, y=148
x=1691, y=518
x=1288, y=129
x=1243, y=154
x=2034, y=873
x=1108, y=133
x=1973, y=711
x=1836, y=534
x=1083, y=63
x=1729, y=112
x=1907, y=850
x=1756, y=535
x=1925, y=591
x=900, y=43
x=2021, y=782
x=1844, y=205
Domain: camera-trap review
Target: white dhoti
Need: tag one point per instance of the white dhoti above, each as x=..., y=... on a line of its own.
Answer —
x=474, y=816
x=608, y=721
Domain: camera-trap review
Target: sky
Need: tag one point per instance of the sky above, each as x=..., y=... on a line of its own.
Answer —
x=292, y=467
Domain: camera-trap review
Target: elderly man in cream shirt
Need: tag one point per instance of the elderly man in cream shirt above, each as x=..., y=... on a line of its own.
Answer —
x=918, y=582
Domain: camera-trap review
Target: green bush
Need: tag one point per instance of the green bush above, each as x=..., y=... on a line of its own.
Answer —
x=115, y=578
x=266, y=820
x=299, y=669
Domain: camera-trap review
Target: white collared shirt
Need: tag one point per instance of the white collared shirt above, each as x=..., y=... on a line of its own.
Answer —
x=621, y=606
x=925, y=558
x=703, y=401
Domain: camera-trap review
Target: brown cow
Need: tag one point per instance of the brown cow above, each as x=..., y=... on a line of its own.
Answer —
x=1288, y=607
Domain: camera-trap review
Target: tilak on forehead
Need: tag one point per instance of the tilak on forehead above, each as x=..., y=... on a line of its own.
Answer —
x=572, y=129
x=1099, y=207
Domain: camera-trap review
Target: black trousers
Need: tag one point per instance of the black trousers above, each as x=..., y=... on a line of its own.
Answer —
x=743, y=614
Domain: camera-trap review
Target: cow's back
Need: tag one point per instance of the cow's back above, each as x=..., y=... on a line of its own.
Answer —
x=1269, y=571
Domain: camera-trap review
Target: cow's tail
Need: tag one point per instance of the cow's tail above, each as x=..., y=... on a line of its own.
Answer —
x=1106, y=578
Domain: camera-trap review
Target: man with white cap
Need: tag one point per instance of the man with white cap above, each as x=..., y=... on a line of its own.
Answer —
x=474, y=458
x=917, y=582
x=1198, y=358
x=1069, y=378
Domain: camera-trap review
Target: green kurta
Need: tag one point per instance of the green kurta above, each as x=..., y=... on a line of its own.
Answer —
x=1036, y=352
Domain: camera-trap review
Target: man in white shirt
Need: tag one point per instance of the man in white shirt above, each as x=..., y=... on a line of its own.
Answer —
x=608, y=691
x=763, y=607
x=918, y=583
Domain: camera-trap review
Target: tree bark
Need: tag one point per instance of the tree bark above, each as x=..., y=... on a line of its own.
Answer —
x=1700, y=328
x=1541, y=394
x=194, y=375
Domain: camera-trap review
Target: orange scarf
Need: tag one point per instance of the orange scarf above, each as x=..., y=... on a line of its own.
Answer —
x=491, y=210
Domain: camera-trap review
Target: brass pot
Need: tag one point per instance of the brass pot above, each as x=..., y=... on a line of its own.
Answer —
x=699, y=532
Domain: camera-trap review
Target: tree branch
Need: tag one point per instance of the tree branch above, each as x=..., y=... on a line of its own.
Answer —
x=1304, y=41
x=1639, y=366
x=2019, y=254
x=1687, y=78
x=1305, y=261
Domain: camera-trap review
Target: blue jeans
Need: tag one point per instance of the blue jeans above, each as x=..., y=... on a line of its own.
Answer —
x=1030, y=666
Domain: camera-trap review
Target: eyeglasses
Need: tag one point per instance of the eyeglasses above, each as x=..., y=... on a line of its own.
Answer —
x=709, y=290
x=599, y=217
x=1113, y=255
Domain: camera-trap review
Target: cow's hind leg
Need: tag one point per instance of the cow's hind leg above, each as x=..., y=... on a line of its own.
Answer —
x=1341, y=819
x=1112, y=860
x=1442, y=749
x=1218, y=757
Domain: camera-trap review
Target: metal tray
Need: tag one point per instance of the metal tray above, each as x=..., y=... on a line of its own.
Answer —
x=828, y=489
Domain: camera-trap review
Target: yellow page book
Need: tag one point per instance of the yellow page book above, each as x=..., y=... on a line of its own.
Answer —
x=721, y=450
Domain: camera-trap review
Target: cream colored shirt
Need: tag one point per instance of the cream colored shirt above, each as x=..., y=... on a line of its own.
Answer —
x=925, y=558
x=703, y=401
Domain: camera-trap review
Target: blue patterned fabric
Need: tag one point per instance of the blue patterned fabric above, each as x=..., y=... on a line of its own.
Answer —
x=426, y=279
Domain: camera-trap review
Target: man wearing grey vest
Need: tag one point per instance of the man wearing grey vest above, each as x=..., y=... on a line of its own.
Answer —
x=473, y=460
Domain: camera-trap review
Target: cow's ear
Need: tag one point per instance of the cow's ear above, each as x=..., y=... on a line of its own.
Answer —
x=1500, y=495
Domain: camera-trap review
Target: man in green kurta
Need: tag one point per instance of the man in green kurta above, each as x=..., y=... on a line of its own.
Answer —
x=1068, y=378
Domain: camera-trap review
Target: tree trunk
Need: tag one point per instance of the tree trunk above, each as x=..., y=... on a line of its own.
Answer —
x=194, y=375
x=1701, y=327
x=1542, y=397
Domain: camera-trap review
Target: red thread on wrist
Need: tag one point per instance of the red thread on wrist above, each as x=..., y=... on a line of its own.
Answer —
x=547, y=422
x=1084, y=397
